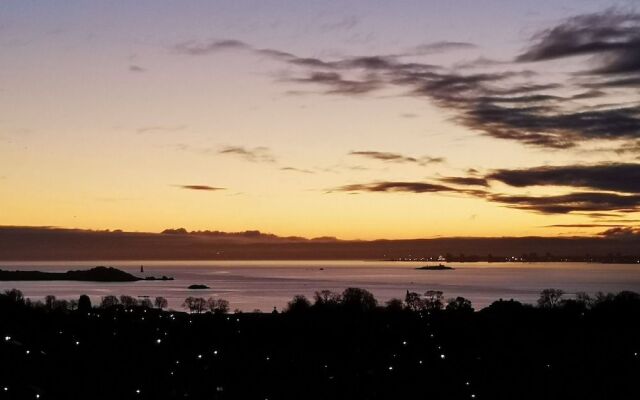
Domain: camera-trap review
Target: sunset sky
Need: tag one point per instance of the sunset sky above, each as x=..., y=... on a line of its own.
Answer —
x=354, y=119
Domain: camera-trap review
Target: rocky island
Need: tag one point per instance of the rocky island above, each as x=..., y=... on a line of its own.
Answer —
x=97, y=274
x=439, y=267
x=198, y=287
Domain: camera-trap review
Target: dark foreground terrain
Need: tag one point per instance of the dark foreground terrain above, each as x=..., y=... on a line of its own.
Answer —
x=338, y=348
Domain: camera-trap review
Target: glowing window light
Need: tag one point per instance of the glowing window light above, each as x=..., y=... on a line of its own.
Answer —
x=7, y=338
x=442, y=356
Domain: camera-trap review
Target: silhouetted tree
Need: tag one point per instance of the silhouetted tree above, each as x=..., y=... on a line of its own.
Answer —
x=299, y=303
x=84, y=303
x=550, y=298
x=145, y=302
x=61, y=305
x=358, y=299
x=326, y=299
x=218, y=306
x=433, y=300
x=459, y=304
x=161, y=303
x=413, y=301
x=195, y=304
x=128, y=301
x=34, y=304
x=49, y=301
x=585, y=299
x=14, y=296
x=109, y=301
x=73, y=304
x=394, y=305
x=602, y=297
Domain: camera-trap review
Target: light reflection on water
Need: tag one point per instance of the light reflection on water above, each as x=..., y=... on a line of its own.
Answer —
x=264, y=284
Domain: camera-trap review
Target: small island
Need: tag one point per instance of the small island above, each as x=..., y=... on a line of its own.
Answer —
x=97, y=274
x=198, y=287
x=439, y=267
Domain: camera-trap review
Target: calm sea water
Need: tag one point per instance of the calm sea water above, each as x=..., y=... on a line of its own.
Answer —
x=250, y=285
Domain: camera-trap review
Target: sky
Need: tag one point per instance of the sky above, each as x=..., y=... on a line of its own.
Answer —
x=354, y=119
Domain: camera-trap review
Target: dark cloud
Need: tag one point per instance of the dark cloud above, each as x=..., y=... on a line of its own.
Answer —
x=591, y=203
x=136, y=68
x=201, y=187
x=397, y=158
x=515, y=105
x=621, y=221
x=411, y=187
x=581, y=226
x=338, y=85
x=542, y=126
x=572, y=202
x=465, y=181
x=621, y=232
x=612, y=36
x=616, y=177
x=628, y=82
x=256, y=154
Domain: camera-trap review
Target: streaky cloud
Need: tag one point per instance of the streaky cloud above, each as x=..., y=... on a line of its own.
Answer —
x=465, y=181
x=616, y=177
x=572, y=202
x=613, y=36
x=300, y=170
x=622, y=232
x=397, y=158
x=256, y=154
x=194, y=48
x=411, y=187
x=205, y=188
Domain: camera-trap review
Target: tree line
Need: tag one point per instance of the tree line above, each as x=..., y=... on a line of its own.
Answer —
x=351, y=299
